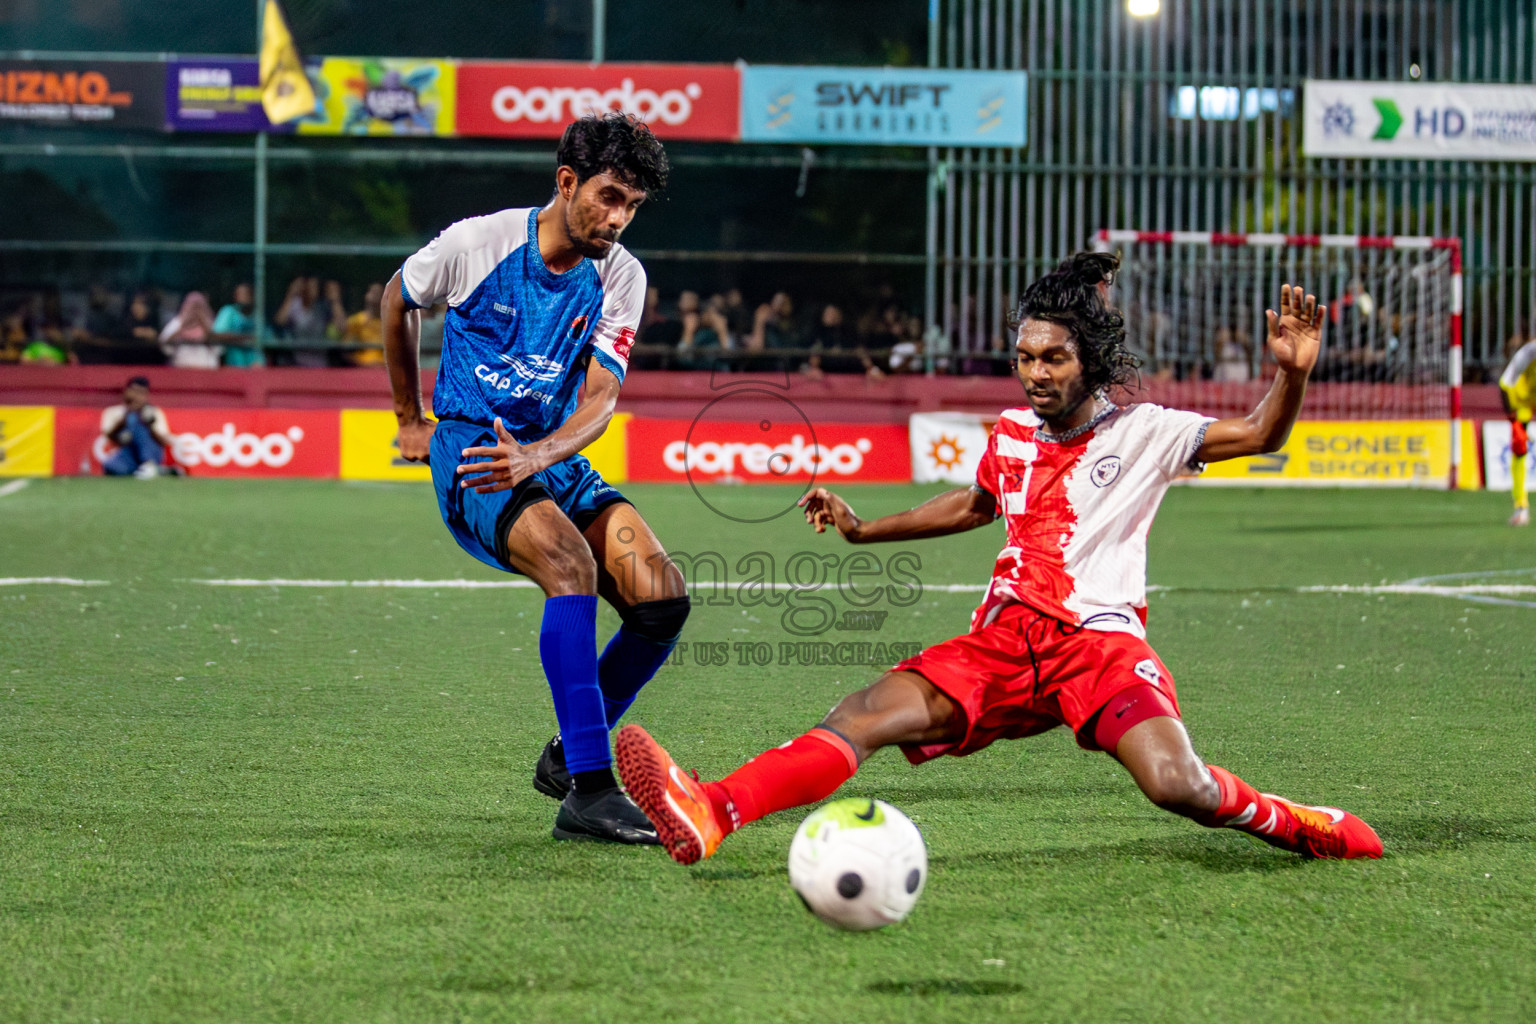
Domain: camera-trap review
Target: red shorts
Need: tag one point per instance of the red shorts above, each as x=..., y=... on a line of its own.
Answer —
x=1027, y=673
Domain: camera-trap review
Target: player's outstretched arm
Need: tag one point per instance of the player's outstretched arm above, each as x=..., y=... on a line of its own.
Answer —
x=512, y=463
x=402, y=355
x=964, y=508
x=1295, y=335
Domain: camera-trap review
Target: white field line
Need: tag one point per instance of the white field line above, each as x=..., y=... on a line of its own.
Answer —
x=6, y=490
x=1470, y=591
x=61, y=581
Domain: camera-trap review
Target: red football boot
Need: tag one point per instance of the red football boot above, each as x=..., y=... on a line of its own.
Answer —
x=1328, y=833
x=674, y=802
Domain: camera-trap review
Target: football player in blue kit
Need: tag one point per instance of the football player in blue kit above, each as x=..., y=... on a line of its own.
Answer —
x=543, y=303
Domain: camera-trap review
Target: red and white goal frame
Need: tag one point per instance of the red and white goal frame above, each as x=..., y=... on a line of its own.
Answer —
x=1447, y=249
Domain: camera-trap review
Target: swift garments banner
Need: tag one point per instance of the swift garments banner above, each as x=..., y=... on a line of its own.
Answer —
x=120, y=94
x=215, y=442
x=748, y=452
x=537, y=100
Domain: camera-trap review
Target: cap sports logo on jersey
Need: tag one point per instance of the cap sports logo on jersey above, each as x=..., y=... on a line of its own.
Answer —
x=534, y=367
x=578, y=327
x=624, y=342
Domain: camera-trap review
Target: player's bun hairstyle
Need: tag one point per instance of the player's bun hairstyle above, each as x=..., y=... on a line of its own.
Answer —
x=620, y=144
x=1069, y=296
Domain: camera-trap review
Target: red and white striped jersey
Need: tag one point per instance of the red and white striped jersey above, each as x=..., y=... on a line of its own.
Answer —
x=1078, y=511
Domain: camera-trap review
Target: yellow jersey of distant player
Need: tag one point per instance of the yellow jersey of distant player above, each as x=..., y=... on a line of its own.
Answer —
x=1519, y=380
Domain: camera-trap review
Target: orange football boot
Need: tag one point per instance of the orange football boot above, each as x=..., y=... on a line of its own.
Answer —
x=674, y=802
x=1329, y=833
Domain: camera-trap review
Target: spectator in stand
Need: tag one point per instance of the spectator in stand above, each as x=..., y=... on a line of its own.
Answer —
x=15, y=331
x=305, y=317
x=139, y=431
x=365, y=328
x=660, y=329
x=773, y=325
x=833, y=349
x=1231, y=358
x=235, y=328
x=142, y=326
x=188, y=336
x=738, y=317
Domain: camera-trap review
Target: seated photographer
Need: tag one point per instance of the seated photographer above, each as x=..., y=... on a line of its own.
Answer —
x=139, y=431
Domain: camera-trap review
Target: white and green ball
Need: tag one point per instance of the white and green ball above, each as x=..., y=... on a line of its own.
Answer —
x=858, y=864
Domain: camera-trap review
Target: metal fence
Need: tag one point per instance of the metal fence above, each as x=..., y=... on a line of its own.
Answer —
x=1190, y=120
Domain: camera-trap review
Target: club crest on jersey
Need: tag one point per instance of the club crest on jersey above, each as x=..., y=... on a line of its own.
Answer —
x=1147, y=669
x=1104, y=473
x=578, y=327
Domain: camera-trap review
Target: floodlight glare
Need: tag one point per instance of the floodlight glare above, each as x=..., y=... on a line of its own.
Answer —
x=1143, y=8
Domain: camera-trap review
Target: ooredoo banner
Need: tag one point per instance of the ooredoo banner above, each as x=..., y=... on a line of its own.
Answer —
x=122, y=94
x=764, y=452
x=215, y=442
x=537, y=100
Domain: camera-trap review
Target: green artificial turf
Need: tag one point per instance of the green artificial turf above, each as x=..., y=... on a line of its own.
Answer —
x=295, y=804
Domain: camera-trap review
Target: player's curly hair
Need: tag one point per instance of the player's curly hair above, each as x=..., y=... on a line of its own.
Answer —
x=621, y=144
x=1069, y=295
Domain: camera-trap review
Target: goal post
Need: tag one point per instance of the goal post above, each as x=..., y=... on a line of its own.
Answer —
x=1194, y=303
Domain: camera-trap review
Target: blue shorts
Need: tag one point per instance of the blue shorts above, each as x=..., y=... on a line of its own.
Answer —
x=479, y=522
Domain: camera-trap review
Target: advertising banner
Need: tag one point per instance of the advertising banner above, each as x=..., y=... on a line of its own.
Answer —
x=122, y=94
x=1419, y=121
x=1496, y=455
x=882, y=106
x=537, y=100
x=26, y=440
x=382, y=96
x=215, y=96
x=676, y=451
x=948, y=446
x=216, y=442
x=1397, y=453
x=370, y=449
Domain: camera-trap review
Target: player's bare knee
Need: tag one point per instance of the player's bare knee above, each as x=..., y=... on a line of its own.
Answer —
x=567, y=567
x=1180, y=787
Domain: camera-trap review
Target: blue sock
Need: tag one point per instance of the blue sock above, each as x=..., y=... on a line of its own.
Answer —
x=628, y=663
x=568, y=649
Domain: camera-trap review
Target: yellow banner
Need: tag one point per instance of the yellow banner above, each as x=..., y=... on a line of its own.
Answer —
x=382, y=96
x=26, y=440
x=1354, y=453
x=369, y=450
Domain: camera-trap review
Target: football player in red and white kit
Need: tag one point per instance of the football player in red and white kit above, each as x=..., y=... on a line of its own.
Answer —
x=1060, y=637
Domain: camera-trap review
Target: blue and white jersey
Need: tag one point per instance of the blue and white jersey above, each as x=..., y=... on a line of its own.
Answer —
x=517, y=338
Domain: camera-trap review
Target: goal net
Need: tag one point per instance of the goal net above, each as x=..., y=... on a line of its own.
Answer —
x=1194, y=304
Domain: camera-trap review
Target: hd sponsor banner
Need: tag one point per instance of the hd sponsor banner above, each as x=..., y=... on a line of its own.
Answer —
x=370, y=448
x=121, y=94
x=537, y=100
x=26, y=440
x=1418, y=120
x=215, y=442
x=1398, y=453
x=381, y=96
x=882, y=106
x=215, y=96
x=767, y=452
x=947, y=446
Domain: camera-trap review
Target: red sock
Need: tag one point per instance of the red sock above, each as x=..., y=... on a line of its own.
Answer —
x=1247, y=810
x=802, y=771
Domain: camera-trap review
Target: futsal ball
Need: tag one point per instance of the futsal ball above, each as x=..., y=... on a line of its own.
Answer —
x=858, y=864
